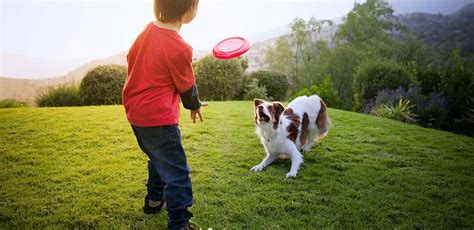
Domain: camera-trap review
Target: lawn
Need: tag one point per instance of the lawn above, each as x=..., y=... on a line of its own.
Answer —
x=81, y=167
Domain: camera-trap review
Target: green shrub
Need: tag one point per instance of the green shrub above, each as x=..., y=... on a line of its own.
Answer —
x=375, y=75
x=276, y=83
x=11, y=103
x=325, y=91
x=217, y=79
x=254, y=91
x=62, y=95
x=103, y=85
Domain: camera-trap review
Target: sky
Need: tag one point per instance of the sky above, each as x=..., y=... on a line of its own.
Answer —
x=83, y=30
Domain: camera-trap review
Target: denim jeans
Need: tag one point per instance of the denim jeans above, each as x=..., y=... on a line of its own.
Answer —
x=168, y=171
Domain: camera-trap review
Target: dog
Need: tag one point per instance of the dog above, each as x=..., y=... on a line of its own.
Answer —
x=288, y=132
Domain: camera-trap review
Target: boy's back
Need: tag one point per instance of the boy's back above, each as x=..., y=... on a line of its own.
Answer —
x=159, y=69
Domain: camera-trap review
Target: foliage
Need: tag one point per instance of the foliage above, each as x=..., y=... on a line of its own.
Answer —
x=244, y=62
x=457, y=84
x=372, y=52
x=11, y=103
x=275, y=83
x=433, y=111
x=280, y=57
x=375, y=75
x=341, y=66
x=62, y=95
x=297, y=55
x=253, y=91
x=367, y=25
x=402, y=111
x=429, y=81
x=81, y=167
x=410, y=49
x=219, y=80
x=325, y=91
x=103, y=85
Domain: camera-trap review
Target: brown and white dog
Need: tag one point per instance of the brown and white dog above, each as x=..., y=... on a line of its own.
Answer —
x=290, y=131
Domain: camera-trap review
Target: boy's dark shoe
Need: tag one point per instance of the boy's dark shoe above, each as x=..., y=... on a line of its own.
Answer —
x=147, y=209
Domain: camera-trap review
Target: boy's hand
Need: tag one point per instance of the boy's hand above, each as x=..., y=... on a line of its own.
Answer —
x=198, y=112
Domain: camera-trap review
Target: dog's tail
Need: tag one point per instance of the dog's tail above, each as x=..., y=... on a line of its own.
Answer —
x=323, y=121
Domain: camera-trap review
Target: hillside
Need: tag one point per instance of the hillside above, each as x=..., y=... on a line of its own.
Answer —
x=81, y=167
x=444, y=31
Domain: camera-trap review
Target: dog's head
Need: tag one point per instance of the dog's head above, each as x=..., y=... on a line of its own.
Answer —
x=267, y=113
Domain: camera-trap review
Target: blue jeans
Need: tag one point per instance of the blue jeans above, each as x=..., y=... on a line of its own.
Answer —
x=168, y=171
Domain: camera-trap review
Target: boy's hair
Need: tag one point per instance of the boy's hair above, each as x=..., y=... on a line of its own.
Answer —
x=172, y=10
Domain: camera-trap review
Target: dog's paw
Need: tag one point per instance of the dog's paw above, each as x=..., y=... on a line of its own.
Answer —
x=290, y=174
x=306, y=148
x=257, y=168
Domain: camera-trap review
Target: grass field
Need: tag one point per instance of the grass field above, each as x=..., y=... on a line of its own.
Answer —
x=81, y=167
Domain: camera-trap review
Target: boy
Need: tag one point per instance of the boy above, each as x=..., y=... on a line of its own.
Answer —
x=159, y=74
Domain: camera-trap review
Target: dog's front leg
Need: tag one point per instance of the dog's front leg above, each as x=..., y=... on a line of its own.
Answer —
x=267, y=161
x=296, y=160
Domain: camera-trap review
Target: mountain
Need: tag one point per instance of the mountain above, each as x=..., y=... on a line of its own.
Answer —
x=444, y=31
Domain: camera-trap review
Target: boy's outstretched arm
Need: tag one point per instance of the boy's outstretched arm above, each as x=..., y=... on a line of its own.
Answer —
x=190, y=98
x=191, y=101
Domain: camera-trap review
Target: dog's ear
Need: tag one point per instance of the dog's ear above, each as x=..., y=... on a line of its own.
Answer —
x=257, y=102
x=279, y=108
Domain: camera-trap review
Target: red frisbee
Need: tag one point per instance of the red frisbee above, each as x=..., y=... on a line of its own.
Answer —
x=231, y=48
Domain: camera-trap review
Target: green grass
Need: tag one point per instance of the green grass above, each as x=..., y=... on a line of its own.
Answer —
x=81, y=167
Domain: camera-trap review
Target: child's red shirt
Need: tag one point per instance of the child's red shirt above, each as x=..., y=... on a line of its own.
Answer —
x=159, y=69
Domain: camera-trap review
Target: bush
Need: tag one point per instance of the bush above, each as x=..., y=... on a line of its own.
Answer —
x=103, y=85
x=217, y=79
x=325, y=91
x=62, y=95
x=254, y=91
x=11, y=103
x=276, y=83
x=373, y=76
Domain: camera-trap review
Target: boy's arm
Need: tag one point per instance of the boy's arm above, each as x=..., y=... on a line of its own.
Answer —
x=190, y=98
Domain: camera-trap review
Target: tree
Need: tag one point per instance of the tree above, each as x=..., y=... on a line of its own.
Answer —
x=295, y=54
x=280, y=57
x=367, y=24
x=340, y=66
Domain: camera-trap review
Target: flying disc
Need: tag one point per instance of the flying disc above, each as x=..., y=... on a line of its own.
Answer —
x=231, y=48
